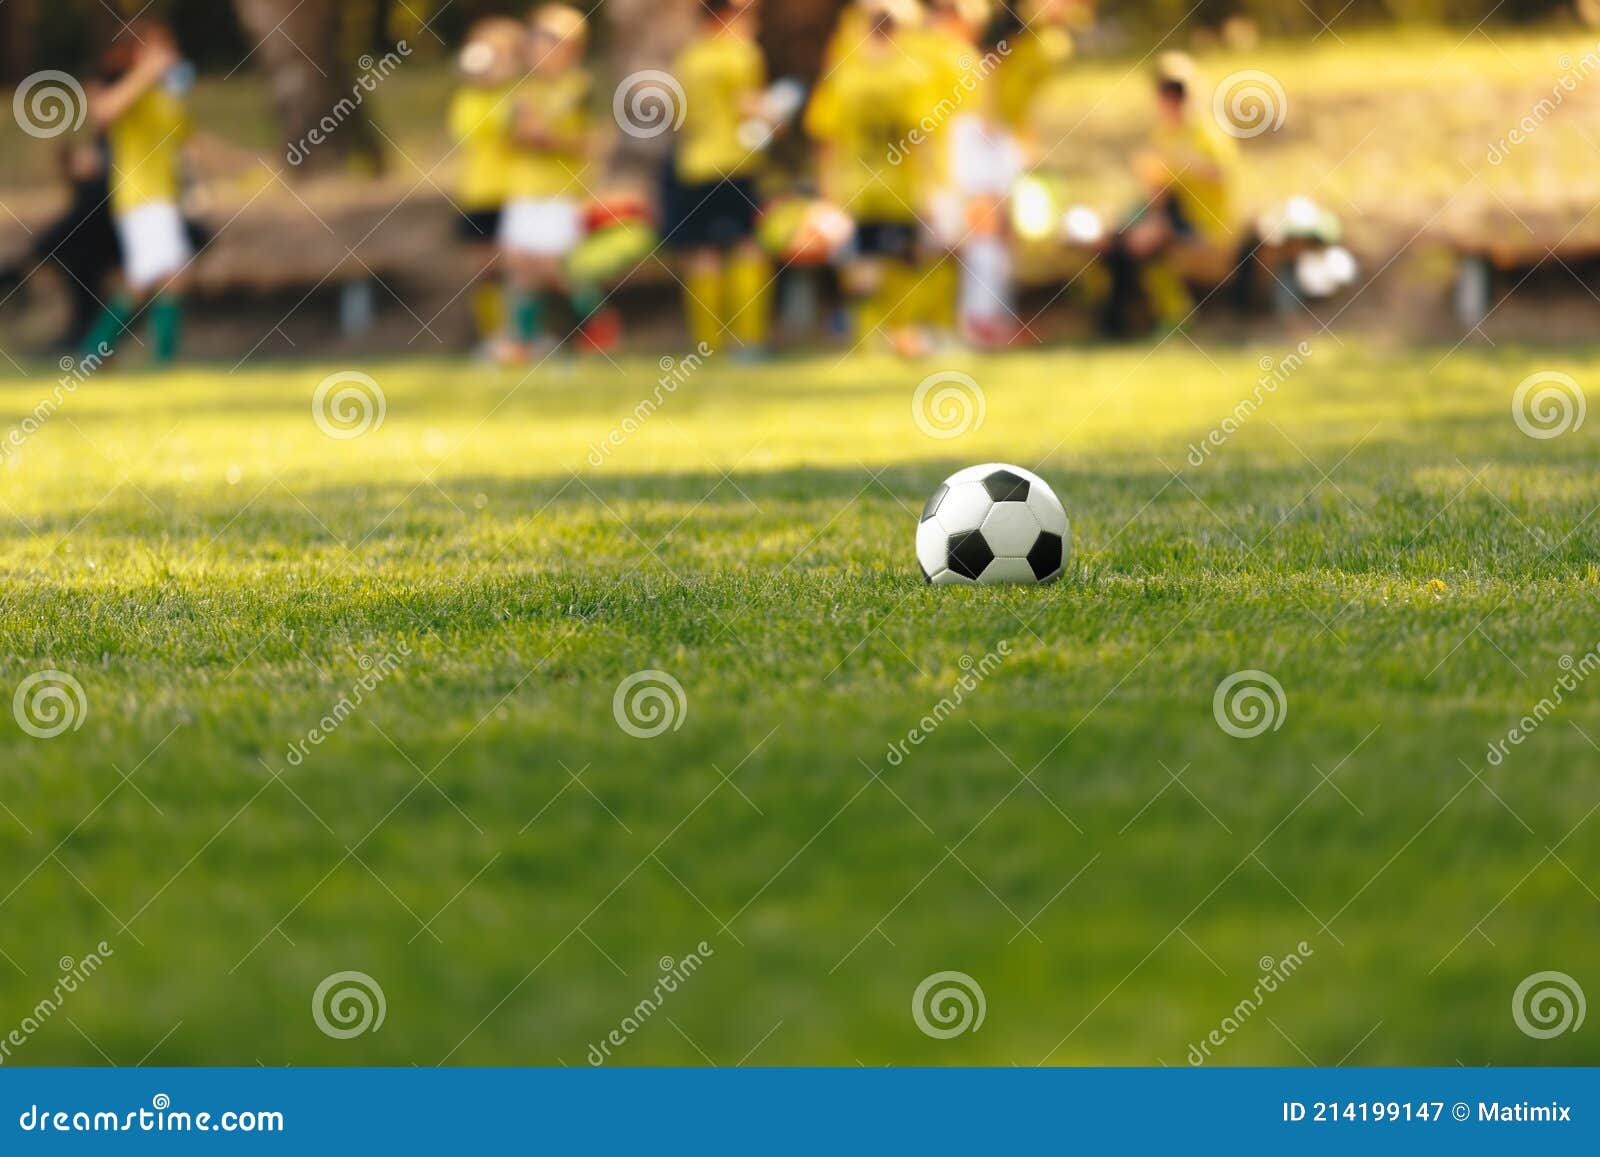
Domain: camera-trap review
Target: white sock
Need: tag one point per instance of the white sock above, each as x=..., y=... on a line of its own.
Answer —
x=986, y=292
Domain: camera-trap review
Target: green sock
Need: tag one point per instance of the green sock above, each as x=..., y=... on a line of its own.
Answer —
x=166, y=326
x=527, y=314
x=586, y=301
x=102, y=336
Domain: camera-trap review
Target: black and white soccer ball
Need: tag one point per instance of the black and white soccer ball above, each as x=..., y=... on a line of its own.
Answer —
x=993, y=524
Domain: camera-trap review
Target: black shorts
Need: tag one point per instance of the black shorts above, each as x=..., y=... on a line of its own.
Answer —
x=1169, y=208
x=478, y=224
x=715, y=215
x=1178, y=218
x=893, y=240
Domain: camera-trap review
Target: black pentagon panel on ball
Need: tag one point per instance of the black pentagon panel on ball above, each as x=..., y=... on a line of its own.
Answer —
x=969, y=554
x=1045, y=557
x=932, y=508
x=1004, y=486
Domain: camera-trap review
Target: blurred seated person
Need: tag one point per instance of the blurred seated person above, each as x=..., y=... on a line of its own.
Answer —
x=1183, y=229
x=81, y=242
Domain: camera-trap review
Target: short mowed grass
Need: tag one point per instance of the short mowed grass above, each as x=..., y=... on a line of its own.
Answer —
x=1078, y=834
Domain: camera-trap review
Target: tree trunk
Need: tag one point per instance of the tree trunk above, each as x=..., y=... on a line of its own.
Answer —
x=794, y=35
x=642, y=35
x=318, y=107
x=18, y=20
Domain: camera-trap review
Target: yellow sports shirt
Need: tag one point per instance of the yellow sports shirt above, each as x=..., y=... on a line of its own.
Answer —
x=1206, y=200
x=873, y=109
x=480, y=124
x=953, y=80
x=1034, y=57
x=561, y=104
x=719, y=74
x=146, y=144
x=849, y=32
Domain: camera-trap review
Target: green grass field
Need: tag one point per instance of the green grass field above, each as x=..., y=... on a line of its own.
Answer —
x=482, y=838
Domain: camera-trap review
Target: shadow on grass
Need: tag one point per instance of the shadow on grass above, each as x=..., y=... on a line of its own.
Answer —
x=1385, y=481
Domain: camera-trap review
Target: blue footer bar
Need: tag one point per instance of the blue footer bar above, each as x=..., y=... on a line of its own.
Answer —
x=802, y=1110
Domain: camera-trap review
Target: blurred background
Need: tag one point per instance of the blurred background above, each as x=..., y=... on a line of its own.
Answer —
x=1397, y=116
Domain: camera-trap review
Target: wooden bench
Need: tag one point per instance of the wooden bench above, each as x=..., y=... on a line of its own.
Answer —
x=1495, y=253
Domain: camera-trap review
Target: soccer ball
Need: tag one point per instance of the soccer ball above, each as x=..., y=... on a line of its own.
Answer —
x=993, y=524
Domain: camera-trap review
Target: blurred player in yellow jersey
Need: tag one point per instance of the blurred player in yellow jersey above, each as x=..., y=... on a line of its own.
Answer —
x=945, y=43
x=867, y=115
x=490, y=63
x=1037, y=49
x=710, y=199
x=1184, y=227
x=849, y=31
x=542, y=222
x=139, y=106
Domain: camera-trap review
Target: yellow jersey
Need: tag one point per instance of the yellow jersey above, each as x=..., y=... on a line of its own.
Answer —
x=719, y=75
x=146, y=147
x=1206, y=199
x=560, y=102
x=849, y=33
x=1033, y=59
x=874, y=110
x=951, y=64
x=948, y=56
x=480, y=124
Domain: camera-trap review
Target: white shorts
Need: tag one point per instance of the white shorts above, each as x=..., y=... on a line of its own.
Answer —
x=541, y=228
x=155, y=244
x=986, y=159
